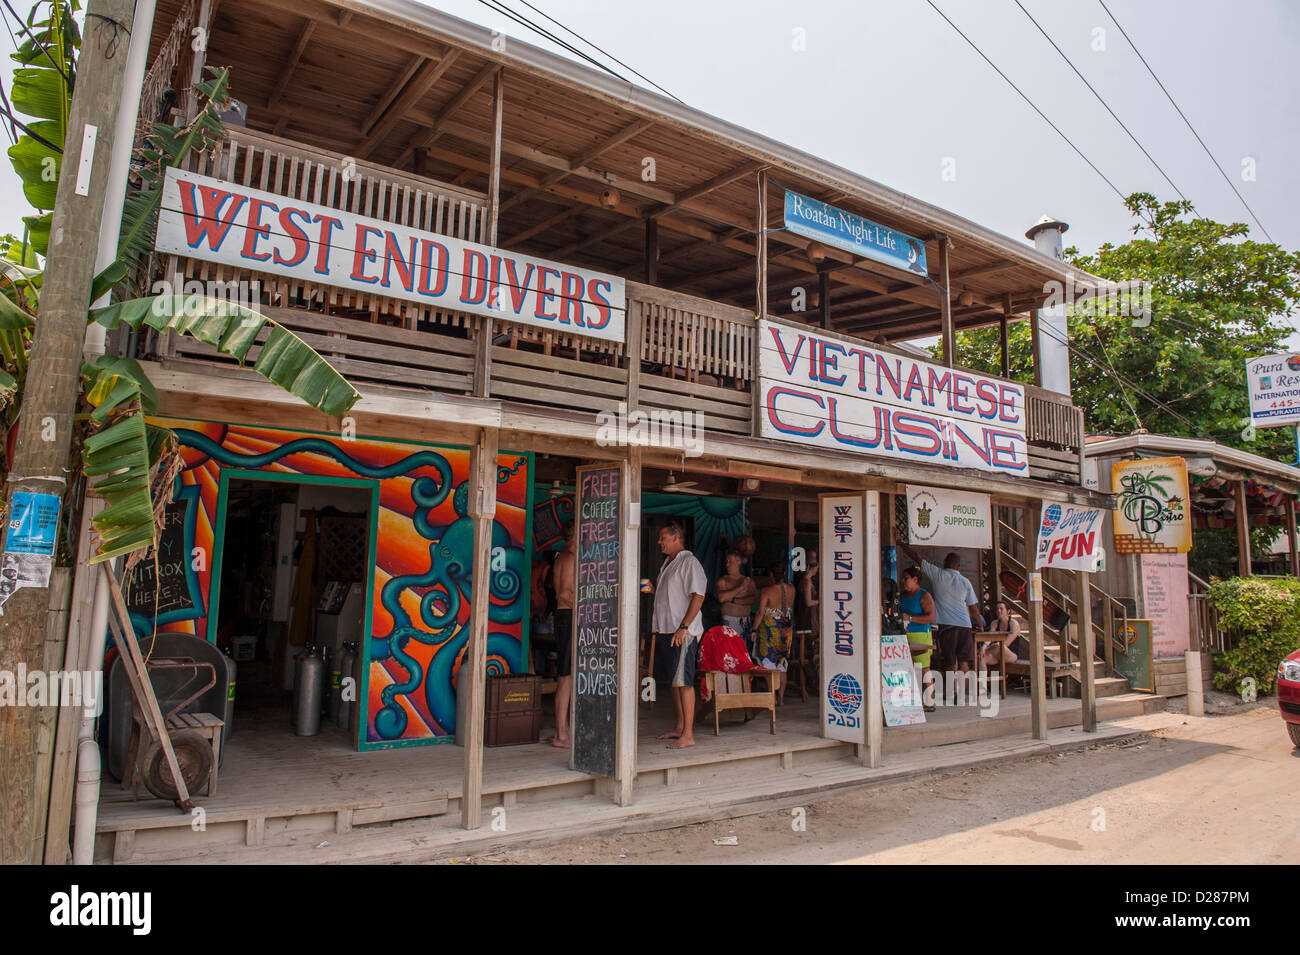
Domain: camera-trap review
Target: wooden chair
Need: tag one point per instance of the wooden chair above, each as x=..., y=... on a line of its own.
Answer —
x=733, y=691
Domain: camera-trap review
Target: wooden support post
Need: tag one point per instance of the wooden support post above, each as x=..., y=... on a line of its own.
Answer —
x=760, y=298
x=1037, y=671
x=76, y=657
x=1109, y=652
x=1003, y=340
x=40, y=463
x=1087, y=652
x=629, y=626
x=1294, y=549
x=824, y=297
x=1243, y=532
x=652, y=251
x=473, y=678
x=873, y=712
x=945, y=306
x=760, y=271
x=487, y=324
x=1033, y=335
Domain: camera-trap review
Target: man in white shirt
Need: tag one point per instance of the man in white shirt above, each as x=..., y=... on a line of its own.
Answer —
x=679, y=595
x=957, y=611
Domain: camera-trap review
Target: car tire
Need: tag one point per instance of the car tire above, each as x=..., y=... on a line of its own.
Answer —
x=1294, y=730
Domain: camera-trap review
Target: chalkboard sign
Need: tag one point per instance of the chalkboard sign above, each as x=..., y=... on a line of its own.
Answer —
x=595, y=619
x=176, y=587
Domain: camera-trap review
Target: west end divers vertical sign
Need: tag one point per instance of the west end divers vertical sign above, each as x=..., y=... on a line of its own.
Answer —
x=843, y=623
x=595, y=619
x=837, y=394
x=218, y=221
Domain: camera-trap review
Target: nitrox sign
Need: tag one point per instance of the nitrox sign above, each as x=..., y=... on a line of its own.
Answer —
x=1069, y=537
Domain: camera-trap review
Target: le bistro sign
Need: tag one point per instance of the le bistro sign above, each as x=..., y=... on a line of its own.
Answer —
x=218, y=221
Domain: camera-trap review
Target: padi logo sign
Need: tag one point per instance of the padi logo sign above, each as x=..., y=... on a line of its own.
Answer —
x=76, y=908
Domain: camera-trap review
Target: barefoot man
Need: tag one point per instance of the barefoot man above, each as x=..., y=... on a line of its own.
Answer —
x=565, y=566
x=679, y=595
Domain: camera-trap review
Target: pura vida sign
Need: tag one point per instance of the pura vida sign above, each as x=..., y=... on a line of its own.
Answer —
x=852, y=233
x=218, y=221
x=836, y=394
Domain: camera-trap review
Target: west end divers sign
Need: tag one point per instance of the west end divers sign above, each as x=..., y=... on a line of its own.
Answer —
x=218, y=221
x=835, y=394
x=844, y=230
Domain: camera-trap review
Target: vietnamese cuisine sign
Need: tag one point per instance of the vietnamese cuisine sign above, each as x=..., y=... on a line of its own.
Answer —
x=1153, y=514
x=843, y=616
x=949, y=518
x=1274, y=385
x=844, y=230
x=217, y=221
x=1069, y=537
x=832, y=393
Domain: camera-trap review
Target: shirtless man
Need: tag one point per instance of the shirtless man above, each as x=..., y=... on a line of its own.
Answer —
x=565, y=567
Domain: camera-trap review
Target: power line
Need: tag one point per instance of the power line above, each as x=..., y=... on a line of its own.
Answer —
x=1226, y=177
x=1103, y=102
x=1123, y=198
x=500, y=7
x=604, y=52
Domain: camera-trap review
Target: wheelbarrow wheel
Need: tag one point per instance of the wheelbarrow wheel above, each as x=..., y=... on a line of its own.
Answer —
x=193, y=755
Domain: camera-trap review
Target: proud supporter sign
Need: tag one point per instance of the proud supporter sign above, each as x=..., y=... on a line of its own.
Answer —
x=835, y=394
x=218, y=221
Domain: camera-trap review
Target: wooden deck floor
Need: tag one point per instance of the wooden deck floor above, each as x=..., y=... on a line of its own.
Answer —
x=274, y=786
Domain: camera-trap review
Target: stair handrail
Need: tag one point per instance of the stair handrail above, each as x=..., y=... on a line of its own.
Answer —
x=1206, y=633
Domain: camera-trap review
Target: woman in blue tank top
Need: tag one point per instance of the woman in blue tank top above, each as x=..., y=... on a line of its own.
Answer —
x=917, y=607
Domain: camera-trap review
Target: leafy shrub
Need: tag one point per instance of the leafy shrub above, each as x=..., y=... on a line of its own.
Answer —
x=1265, y=614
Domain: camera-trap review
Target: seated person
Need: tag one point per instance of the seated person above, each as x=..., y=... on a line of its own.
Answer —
x=1016, y=648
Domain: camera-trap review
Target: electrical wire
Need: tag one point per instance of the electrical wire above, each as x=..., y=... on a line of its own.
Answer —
x=603, y=52
x=1226, y=177
x=500, y=7
x=1103, y=102
x=1070, y=142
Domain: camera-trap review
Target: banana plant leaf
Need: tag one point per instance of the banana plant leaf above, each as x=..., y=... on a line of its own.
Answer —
x=282, y=358
x=119, y=456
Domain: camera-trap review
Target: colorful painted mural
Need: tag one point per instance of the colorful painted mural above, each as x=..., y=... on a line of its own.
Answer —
x=419, y=591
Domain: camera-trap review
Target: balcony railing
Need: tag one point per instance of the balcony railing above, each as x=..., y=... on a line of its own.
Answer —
x=682, y=353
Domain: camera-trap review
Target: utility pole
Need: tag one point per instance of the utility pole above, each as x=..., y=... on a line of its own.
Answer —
x=41, y=458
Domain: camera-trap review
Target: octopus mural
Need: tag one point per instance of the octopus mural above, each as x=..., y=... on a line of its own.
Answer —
x=419, y=594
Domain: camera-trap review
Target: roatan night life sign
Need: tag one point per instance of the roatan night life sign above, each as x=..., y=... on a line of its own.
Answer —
x=218, y=221
x=836, y=394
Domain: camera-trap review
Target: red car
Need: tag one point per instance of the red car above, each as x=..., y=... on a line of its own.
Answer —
x=1288, y=694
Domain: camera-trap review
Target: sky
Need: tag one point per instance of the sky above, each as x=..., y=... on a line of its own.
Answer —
x=891, y=91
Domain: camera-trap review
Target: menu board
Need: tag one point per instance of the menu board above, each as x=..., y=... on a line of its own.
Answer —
x=595, y=619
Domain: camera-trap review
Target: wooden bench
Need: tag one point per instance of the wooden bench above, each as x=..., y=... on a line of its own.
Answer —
x=1053, y=670
x=738, y=694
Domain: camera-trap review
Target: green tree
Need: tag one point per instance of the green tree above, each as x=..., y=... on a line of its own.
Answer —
x=1218, y=298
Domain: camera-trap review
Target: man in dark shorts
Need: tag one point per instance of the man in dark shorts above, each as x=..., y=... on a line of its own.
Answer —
x=565, y=586
x=956, y=609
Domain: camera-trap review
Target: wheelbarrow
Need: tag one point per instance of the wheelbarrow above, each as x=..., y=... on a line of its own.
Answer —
x=193, y=750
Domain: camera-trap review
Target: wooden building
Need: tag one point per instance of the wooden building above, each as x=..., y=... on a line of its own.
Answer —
x=502, y=249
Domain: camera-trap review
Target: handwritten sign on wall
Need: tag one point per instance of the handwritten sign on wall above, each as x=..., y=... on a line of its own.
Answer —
x=595, y=619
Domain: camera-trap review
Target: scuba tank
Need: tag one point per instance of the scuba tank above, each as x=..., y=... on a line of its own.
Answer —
x=309, y=696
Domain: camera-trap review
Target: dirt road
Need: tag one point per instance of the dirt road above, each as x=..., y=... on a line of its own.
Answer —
x=1219, y=789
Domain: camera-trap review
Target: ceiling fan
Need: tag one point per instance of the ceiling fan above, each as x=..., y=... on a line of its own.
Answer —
x=674, y=486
